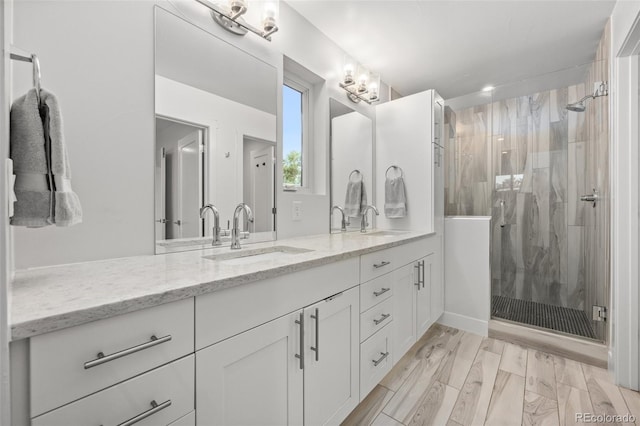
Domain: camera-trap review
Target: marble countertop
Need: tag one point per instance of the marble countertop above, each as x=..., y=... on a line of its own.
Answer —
x=57, y=297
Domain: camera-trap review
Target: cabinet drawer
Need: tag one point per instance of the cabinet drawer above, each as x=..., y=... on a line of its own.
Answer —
x=374, y=264
x=229, y=312
x=170, y=388
x=66, y=365
x=375, y=291
x=375, y=318
x=374, y=364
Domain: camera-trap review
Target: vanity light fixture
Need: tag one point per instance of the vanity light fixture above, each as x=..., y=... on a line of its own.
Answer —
x=359, y=83
x=233, y=16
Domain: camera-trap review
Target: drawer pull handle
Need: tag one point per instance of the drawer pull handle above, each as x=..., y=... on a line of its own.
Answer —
x=382, y=318
x=155, y=407
x=300, y=356
x=381, y=292
x=102, y=358
x=379, y=360
x=316, y=348
x=381, y=264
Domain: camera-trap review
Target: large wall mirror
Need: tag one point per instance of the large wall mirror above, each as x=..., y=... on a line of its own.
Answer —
x=351, y=164
x=216, y=123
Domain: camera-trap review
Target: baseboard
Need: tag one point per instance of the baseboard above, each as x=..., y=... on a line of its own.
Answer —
x=461, y=322
x=581, y=350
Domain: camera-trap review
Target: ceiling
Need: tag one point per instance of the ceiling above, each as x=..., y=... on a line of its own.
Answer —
x=459, y=47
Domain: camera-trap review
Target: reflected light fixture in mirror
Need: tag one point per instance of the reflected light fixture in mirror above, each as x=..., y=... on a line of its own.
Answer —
x=359, y=83
x=236, y=16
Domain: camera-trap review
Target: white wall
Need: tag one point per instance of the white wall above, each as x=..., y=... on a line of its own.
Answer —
x=227, y=123
x=624, y=355
x=98, y=57
x=351, y=149
x=467, y=273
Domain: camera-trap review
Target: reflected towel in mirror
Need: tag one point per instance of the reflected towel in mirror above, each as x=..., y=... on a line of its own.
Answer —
x=356, y=198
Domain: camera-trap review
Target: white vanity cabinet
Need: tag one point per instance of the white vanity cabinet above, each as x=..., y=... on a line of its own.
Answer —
x=252, y=378
x=159, y=397
x=70, y=364
x=299, y=368
x=405, y=288
x=417, y=301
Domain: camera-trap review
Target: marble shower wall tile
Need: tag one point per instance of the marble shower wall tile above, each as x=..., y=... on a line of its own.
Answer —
x=576, y=182
x=575, y=276
x=576, y=121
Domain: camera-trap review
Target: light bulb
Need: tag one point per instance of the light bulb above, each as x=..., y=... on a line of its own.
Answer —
x=373, y=91
x=270, y=16
x=348, y=71
x=238, y=7
x=362, y=82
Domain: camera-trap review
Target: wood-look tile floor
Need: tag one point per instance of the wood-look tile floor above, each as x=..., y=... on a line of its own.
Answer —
x=454, y=378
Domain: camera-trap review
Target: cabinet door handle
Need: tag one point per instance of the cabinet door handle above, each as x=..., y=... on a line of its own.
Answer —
x=155, y=407
x=417, y=266
x=422, y=269
x=102, y=358
x=300, y=356
x=316, y=349
x=381, y=292
x=382, y=318
x=379, y=360
x=381, y=264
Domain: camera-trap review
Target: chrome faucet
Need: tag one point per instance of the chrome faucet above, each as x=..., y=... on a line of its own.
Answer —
x=344, y=220
x=364, y=223
x=235, y=232
x=216, y=222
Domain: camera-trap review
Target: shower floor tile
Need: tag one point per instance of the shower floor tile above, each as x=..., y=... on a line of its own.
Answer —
x=556, y=318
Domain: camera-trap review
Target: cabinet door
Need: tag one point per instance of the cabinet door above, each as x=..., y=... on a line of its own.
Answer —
x=253, y=378
x=404, y=308
x=423, y=295
x=437, y=286
x=331, y=371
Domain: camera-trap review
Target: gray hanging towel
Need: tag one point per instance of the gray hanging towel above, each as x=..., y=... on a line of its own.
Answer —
x=67, y=209
x=43, y=186
x=395, y=199
x=34, y=205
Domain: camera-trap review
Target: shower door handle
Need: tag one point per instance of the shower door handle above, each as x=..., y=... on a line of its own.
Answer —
x=590, y=198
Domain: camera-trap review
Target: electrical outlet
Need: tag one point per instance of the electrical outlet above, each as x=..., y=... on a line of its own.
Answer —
x=296, y=210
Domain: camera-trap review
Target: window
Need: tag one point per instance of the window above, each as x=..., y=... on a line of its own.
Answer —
x=292, y=137
x=295, y=135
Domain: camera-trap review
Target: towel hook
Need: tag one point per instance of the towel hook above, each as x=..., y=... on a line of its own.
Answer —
x=355, y=171
x=37, y=76
x=393, y=166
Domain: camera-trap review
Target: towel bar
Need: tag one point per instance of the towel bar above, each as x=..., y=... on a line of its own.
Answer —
x=393, y=166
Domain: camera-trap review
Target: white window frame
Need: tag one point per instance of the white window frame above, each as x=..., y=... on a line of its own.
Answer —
x=298, y=84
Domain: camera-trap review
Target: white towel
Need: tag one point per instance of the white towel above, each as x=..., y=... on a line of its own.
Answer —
x=356, y=199
x=395, y=200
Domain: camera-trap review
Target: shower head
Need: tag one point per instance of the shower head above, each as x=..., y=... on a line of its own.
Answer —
x=600, y=89
x=577, y=106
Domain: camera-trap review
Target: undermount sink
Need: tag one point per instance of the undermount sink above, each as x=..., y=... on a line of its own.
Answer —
x=244, y=257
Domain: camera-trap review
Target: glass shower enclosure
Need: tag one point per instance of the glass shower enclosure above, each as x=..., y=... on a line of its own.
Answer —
x=540, y=171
